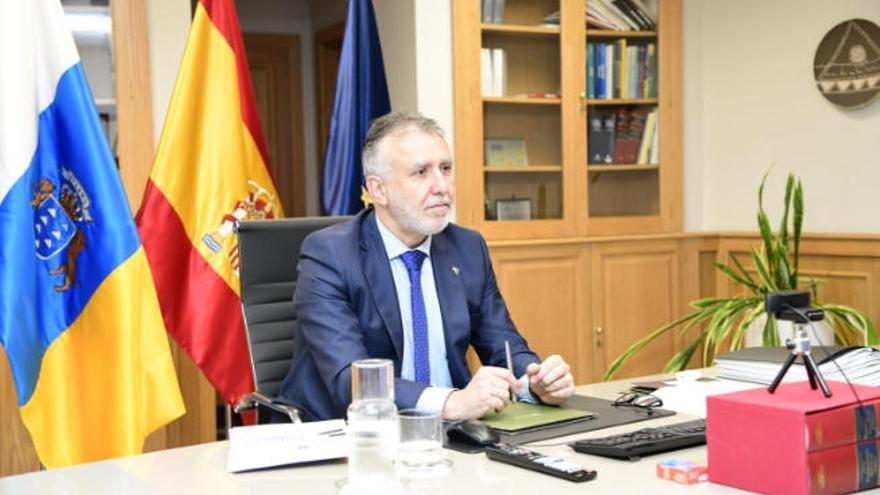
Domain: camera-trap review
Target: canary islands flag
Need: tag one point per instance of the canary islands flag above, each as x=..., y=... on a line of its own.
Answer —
x=79, y=317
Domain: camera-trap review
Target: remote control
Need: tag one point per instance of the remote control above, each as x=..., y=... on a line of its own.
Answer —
x=554, y=466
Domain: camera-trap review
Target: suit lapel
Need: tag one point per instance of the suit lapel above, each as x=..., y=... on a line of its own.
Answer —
x=453, y=304
x=380, y=282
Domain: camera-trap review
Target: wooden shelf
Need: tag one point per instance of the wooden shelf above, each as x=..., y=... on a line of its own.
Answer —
x=620, y=168
x=603, y=33
x=619, y=101
x=521, y=168
x=519, y=100
x=519, y=30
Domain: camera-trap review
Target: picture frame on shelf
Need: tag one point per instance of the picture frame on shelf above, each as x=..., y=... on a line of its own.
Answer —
x=508, y=152
x=513, y=209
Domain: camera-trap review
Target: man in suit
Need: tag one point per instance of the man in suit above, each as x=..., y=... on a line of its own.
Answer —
x=400, y=282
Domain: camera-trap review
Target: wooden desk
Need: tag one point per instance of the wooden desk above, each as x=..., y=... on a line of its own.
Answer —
x=202, y=469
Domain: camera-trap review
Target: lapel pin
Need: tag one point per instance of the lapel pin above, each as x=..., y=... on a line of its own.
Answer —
x=455, y=270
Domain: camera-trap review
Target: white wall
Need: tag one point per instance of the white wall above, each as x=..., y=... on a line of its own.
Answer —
x=750, y=100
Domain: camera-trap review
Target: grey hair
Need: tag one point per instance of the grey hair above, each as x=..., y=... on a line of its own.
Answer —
x=374, y=162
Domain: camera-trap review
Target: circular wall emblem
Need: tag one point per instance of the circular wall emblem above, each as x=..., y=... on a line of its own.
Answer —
x=847, y=63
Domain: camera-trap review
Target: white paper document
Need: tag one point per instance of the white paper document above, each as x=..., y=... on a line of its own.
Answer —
x=263, y=446
x=690, y=398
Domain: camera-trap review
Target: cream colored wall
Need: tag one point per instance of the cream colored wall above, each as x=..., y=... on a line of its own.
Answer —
x=168, y=26
x=416, y=42
x=750, y=100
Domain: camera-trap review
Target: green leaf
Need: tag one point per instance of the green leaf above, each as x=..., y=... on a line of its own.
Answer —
x=783, y=279
x=756, y=309
x=763, y=274
x=744, y=273
x=680, y=361
x=770, y=337
x=798, y=223
x=617, y=363
x=736, y=277
x=707, y=301
x=783, y=225
x=858, y=320
x=767, y=239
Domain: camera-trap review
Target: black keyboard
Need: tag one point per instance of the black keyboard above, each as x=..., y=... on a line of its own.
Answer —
x=646, y=441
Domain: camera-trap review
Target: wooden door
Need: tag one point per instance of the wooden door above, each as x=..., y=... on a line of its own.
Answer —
x=635, y=290
x=328, y=48
x=545, y=291
x=274, y=62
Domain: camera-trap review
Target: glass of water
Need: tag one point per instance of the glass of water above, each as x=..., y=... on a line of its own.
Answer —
x=420, y=451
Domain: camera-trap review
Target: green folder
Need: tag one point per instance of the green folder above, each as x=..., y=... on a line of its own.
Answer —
x=523, y=415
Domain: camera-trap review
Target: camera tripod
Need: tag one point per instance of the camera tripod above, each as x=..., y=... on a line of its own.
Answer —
x=800, y=346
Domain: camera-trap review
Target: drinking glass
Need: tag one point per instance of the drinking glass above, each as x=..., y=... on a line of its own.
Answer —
x=420, y=451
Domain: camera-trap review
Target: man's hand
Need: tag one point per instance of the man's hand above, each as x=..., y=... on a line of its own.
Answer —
x=551, y=380
x=488, y=390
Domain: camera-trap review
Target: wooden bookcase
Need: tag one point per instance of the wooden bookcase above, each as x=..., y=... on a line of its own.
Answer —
x=566, y=196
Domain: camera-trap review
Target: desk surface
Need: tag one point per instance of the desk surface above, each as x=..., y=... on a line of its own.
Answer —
x=202, y=469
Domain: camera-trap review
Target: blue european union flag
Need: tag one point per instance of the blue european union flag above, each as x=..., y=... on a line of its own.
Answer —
x=361, y=96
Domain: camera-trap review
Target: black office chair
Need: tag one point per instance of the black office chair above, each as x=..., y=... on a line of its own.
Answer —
x=268, y=254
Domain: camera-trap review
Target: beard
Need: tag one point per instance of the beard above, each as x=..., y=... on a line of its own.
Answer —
x=419, y=222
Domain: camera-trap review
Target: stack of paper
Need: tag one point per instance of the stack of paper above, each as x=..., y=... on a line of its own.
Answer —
x=861, y=365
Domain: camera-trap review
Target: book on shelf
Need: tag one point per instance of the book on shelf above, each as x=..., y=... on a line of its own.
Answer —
x=621, y=15
x=591, y=70
x=632, y=71
x=655, y=144
x=621, y=135
x=634, y=135
x=647, y=137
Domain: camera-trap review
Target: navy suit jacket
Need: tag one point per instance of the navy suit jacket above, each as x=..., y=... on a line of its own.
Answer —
x=347, y=309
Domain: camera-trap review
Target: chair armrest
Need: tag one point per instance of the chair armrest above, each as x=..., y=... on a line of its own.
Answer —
x=254, y=398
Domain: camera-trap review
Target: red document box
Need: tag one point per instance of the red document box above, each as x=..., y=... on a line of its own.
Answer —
x=794, y=441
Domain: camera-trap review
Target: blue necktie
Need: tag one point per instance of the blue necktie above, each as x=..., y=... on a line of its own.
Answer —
x=413, y=261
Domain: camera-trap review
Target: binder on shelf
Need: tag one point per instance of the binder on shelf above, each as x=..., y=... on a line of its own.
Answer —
x=486, y=11
x=486, y=67
x=499, y=72
x=609, y=126
x=497, y=11
x=595, y=139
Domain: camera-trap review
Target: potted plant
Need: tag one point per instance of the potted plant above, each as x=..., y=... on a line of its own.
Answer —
x=721, y=322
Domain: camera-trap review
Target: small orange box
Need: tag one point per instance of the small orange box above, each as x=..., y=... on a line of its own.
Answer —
x=684, y=472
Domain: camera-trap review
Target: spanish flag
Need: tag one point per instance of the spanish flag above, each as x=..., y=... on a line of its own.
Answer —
x=211, y=170
x=79, y=318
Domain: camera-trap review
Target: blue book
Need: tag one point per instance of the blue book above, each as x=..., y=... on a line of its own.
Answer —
x=591, y=70
x=600, y=70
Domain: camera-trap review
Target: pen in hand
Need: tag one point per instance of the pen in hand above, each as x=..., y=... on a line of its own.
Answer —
x=509, y=367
